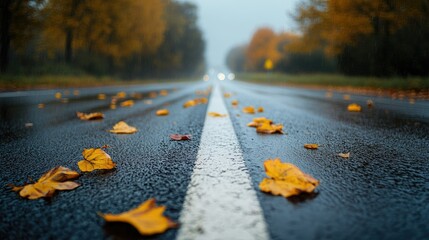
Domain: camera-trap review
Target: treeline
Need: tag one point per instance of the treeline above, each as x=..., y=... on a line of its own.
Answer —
x=353, y=37
x=128, y=38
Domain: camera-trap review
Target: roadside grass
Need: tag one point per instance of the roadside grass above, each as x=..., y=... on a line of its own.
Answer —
x=336, y=80
x=23, y=82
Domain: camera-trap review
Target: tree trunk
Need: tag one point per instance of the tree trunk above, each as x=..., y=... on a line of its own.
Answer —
x=5, y=34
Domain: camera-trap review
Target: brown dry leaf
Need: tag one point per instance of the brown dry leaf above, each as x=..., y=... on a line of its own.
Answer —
x=40, y=105
x=227, y=95
x=121, y=95
x=101, y=96
x=112, y=106
x=163, y=93
x=311, y=146
x=234, y=102
x=344, y=155
x=269, y=128
x=216, y=114
x=286, y=179
x=162, y=112
x=54, y=179
x=369, y=103
x=90, y=116
x=95, y=158
x=354, y=107
x=58, y=95
x=128, y=103
x=180, y=137
x=123, y=128
x=147, y=218
x=260, y=109
x=195, y=102
x=153, y=94
x=249, y=110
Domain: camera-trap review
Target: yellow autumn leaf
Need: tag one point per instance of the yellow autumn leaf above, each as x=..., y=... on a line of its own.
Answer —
x=58, y=95
x=260, y=109
x=344, y=155
x=163, y=92
x=216, y=114
x=249, y=110
x=55, y=179
x=90, y=116
x=234, y=102
x=121, y=95
x=128, y=103
x=101, y=96
x=286, y=179
x=311, y=146
x=259, y=121
x=147, y=218
x=227, y=95
x=354, y=107
x=40, y=105
x=162, y=112
x=195, y=102
x=95, y=158
x=123, y=128
x=268, y=128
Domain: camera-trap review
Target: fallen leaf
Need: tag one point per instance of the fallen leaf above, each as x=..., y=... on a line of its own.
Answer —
x=128, y=103
x=95, y=158
x=311, y=146
x=259, y=121
x=162, y=112
x=268, y=128
x=76, y=92
x=180, y=137
x=215, y=114
x=369, y=103
x=346, y=97
x=234, y=102
x=90, y=116
x=195, y=102
x=58, y=95
x=354, y=107
x=286, y=179
x=40, y=105
x=112, y=106
x=153, y=94
x=121, y=95
x=101, y=96
x=249, y=110
x=123, y=128
x=163, y=93
x=344, y=155
x=54, y=179
x=260, y=109
x=227, y=95
x=147, y=218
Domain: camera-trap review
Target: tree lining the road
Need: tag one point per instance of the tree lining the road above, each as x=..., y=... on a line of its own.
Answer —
x=355, y=37
x=124, y=37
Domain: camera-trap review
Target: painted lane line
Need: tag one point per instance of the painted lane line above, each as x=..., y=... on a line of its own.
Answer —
x=220, y=202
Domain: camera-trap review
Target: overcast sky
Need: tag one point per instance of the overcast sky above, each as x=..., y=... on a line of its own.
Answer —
x=228, y=23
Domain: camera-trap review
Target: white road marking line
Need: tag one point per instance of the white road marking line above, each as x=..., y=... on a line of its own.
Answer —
x=220, y=202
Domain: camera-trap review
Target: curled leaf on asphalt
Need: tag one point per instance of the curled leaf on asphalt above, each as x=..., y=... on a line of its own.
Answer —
x=370, y=103
x=90, y=116
x=112, y=106
x=94, y=159
x=216, y=114
x=163, y=92
x=234, y=102
x=40, y=105
x=123, y=128
x=195, y=102
x=344, y=155
x=286, y=179
x=147, y=218
x=311, y=146
x=58, y=95
x=260, y=109
x=55, y=179
x=354, y=107
x=153, y=94
x=162, y=112
x=259, y=121
x=249, y=110
x=268, y=128
x=121, y=95
x=128, y=103
x=180, y=137
x=101, y=96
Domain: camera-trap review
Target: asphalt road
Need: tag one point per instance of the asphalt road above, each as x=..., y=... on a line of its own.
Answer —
x=380, y=192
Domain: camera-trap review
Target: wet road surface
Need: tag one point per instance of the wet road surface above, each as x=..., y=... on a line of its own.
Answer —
x=380, y=192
